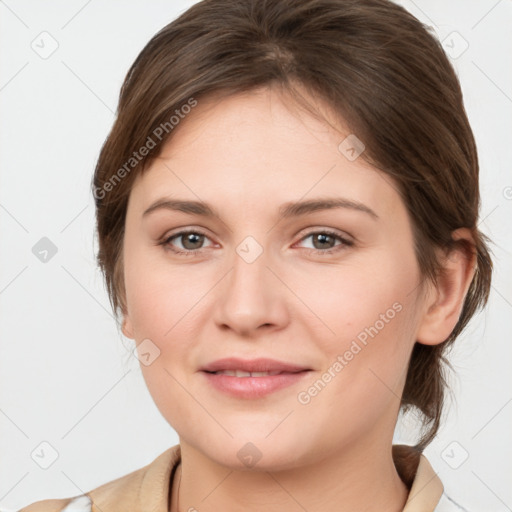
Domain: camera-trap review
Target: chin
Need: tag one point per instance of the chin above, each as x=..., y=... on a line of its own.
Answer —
x=253, y=452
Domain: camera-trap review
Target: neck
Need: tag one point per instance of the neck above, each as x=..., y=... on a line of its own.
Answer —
x=353, y=479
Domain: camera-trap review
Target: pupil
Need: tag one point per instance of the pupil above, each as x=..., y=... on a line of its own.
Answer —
x=323, y=237
x=190, y=239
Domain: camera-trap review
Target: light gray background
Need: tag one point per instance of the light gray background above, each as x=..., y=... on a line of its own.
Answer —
x=67, y=377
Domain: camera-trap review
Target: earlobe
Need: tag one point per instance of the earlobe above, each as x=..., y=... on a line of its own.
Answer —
x=126, y=327
x=444, y=306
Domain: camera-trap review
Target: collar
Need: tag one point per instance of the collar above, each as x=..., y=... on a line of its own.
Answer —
x=149, y=487
x=425, y=487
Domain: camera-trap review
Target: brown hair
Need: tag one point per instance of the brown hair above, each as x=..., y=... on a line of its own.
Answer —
x=379, y=69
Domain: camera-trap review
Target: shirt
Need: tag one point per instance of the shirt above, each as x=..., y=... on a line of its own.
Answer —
x=148, y=489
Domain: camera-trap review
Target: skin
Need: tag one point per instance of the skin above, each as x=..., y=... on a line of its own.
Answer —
x=246, y=156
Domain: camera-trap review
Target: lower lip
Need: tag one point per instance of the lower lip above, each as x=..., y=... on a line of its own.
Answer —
x=253, y=387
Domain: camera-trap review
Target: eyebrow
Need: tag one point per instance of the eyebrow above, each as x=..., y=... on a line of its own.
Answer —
x=287, y=210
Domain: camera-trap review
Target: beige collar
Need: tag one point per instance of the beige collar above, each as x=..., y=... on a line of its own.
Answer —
x=148, y=488
x=426, y=489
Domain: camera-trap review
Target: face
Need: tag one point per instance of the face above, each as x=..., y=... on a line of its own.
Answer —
x=298, y=264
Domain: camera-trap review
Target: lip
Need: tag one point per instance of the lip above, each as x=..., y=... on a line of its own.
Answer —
x=253, y=387
x=253, y=365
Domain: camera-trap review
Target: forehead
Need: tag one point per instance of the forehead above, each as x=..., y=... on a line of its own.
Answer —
x=256, y=118
x=260, y=148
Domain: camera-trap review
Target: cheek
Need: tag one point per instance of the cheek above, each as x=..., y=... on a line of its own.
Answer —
x=160, y=297
x=371, y=315
x=354, y=298
x=150, y=309
x=160, y=304
x=366, y=359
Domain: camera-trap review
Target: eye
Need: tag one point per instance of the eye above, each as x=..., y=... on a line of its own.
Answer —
x=324, y=242
x=191, y=242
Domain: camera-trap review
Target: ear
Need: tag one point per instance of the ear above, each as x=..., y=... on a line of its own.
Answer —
x=126, y=326
x=445, y=299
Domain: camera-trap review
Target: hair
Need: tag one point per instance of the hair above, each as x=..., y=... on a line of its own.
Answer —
x=380, y=70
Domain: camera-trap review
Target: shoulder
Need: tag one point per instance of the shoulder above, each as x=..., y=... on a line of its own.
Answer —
x=150, y=482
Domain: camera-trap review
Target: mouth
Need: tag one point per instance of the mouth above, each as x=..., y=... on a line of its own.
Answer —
x=251, y=379
x=257, y=366
x=241, y=373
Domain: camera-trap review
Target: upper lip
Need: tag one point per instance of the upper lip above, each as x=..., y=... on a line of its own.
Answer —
x=252, y=365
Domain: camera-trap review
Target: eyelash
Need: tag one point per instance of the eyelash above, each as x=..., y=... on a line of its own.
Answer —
x=166, y=242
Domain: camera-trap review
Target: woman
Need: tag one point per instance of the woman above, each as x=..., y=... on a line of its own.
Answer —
x=287, y=214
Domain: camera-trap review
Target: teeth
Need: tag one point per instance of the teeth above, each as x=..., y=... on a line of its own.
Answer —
x=241, y=373
x=228, y=372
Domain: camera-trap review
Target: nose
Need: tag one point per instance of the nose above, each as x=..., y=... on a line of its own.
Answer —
x=251, y=297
